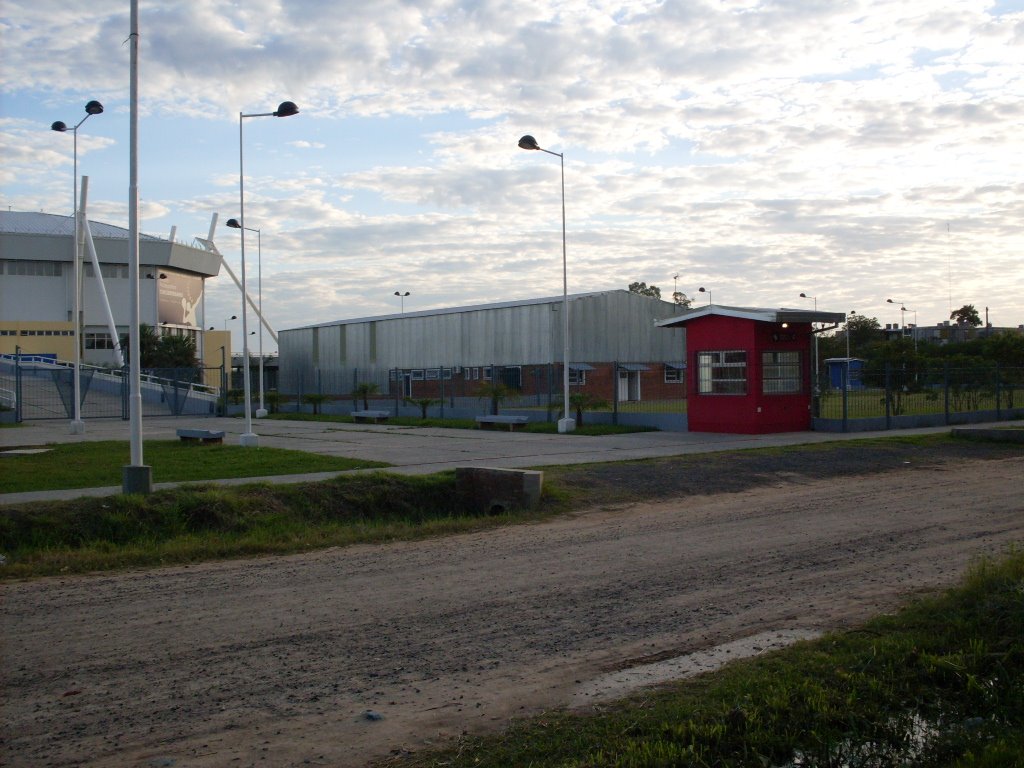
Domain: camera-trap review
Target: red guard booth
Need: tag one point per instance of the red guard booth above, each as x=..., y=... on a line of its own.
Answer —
x=749, y=369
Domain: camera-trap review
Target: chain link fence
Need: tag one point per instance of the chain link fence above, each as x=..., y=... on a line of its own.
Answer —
x=893, y=396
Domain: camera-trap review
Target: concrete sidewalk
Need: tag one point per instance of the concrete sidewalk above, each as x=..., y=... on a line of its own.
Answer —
x=413, y=450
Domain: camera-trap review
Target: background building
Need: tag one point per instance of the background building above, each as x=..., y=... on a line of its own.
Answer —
x=37, y=280
x=616, y=351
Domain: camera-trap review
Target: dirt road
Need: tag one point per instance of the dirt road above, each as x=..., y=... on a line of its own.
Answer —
x=339, y=657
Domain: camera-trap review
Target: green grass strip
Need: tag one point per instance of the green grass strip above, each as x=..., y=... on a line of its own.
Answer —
x=207, y=522
x=940, y=684
x=100, y=464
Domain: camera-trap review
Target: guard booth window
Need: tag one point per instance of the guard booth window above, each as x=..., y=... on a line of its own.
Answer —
x=780, y=373
x=722, y=373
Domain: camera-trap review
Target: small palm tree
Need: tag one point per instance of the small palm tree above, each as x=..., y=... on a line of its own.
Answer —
x=585, y=401
x=496, y=392
x=363, y=391
x=315, y=400
x=423, y=403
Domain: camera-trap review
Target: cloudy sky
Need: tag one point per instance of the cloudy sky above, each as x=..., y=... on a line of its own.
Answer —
x=854, y=151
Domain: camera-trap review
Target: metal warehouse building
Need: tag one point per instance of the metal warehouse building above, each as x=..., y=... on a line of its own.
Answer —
x=616, y=351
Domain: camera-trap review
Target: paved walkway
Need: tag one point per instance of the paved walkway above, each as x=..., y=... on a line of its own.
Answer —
x=413, y=450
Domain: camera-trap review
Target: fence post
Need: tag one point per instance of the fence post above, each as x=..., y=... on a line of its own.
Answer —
x=441, y=398
x=888, y=395
x=18, y=402
x=615, y=393
x=845, y=380
x=999, y=395
x=945, y=388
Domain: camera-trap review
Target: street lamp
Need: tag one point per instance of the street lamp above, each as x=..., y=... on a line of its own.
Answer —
x=815, y=300
x=702, y=289
x=565, y=424
x=284, y=109
x=234, y=224
x=91, y=108
x=402, y=297
x=227, y=320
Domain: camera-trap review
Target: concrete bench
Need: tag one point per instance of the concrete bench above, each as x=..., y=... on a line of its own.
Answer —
x=494, y=422
x=374, y=416
x=200, y=436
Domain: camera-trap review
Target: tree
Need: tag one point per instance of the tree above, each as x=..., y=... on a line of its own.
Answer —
x=863, y=331
x=496, y=392
x=176, y=352
x=363, y=391
x=644, y=290
x=682, y=300
x=316, y=400
x=966, y=315
x=162, y=351
x=585, y=401
x=424, y=403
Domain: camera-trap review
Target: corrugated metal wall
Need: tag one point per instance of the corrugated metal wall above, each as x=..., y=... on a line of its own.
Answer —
x=604, y=327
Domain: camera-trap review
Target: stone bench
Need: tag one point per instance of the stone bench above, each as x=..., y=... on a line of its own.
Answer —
x=200, y=436
x=494, y=422
x=375, y=416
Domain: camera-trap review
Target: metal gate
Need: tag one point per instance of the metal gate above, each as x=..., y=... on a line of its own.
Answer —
x=43, y=388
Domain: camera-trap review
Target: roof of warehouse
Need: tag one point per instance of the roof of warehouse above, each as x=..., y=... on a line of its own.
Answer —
x=471, y=308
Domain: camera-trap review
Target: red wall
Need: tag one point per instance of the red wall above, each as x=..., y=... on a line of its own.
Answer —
x=754, y=412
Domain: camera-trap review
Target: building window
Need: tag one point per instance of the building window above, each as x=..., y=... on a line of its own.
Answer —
x=722, y=373
x=780, y=373
x=487, y=373
x=674, y=374
x=577, y=377
x=33, y=268
x=98, y=341
x=433, y=374
x=417, y=374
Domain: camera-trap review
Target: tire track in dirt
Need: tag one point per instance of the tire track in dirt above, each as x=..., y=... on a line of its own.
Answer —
x=275, y=661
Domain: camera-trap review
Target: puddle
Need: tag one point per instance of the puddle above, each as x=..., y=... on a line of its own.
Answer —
x=615, y=685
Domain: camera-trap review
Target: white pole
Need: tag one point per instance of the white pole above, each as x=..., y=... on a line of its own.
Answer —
x=77, y=425
x=262, y=411
x=105, y=299
x=137, y=478
x=249, y=438
x=567, y=423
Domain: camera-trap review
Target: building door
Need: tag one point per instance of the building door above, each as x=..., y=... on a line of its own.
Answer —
x=629, y=386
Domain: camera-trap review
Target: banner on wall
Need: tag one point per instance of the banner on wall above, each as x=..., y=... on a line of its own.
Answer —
x=179, y=299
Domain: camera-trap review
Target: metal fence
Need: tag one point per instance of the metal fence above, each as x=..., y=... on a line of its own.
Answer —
x=613, y=390
x=926, y=395
x=33, y=387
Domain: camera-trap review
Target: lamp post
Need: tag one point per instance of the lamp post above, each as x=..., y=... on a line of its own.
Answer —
x=402, y=296
x=815, y=300
x=91, y=108
x=284, y=109
x=235, y=224
x=565, y=424
x=702, y=289
x=229, y=319
x=902, y=320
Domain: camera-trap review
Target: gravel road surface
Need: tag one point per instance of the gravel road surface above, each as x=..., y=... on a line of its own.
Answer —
x=345, y=656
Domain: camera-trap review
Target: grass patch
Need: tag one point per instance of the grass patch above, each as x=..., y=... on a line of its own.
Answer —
x=99, y=464
x=199, y=523
x=939, y=684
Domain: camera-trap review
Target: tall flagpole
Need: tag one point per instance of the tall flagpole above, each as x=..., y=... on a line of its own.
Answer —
x=137, y=478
